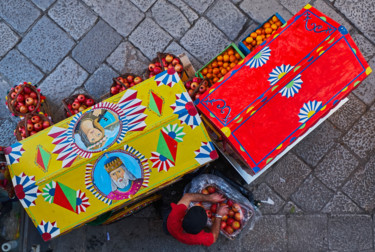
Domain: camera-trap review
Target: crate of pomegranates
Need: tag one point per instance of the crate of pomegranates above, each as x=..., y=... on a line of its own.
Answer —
x=77, y=103
x=241, y=215
x=124, y=82
x=162, y=62
x=24, y=99
x=31, y=124
x=197, y=86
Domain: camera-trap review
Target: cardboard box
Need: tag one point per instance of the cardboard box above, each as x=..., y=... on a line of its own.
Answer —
x=283, y=88
x=110, y=155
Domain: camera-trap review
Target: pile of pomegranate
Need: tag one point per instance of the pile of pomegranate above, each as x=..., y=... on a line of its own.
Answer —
x=80, y=103
x=124, y=82
x=31, y=125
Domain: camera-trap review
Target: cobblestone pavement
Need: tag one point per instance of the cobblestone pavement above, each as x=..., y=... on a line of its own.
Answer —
x=323, y=189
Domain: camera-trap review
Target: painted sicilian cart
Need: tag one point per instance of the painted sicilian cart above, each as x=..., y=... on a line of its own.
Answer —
x=282, y=90
x=108, y=156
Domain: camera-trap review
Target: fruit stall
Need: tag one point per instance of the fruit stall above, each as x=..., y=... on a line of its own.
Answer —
x=108, y=158
x=281, y=90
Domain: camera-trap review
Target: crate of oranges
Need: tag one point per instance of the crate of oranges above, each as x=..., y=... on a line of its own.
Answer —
x=221, y=64
x=259, y=35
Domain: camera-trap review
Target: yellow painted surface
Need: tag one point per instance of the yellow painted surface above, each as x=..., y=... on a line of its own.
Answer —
x=79, y=175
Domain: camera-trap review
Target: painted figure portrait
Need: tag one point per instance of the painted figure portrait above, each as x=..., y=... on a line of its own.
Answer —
x=96, y=130
x=117, y=175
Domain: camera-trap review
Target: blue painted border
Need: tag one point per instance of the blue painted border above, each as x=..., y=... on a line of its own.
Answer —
x=244, y=65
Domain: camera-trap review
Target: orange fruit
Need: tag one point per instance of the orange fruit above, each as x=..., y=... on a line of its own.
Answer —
x=204, y=71
x=268, y=35
x=215, y=70
x=274, y=27
x=238, y=56
x=232, y=65
x=267, y=25
x=254, y=43
x=230, y=52
x=263, y=36
x=209, y=76
x=249, y=40
x=210, y=70
x=259, y=38
x=215, y=79
x=226, y=64
x=268, y=30
x=259, y=42
x=214, y=64
x=278, y=23
x=226, y=58
x=258, y=32
x=275, y=19
x=223, y=71
x=220, y=58
x=253, y=35
x=220, y=63
x=232, y=58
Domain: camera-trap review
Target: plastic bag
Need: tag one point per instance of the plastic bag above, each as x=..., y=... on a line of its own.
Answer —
x=248, y=212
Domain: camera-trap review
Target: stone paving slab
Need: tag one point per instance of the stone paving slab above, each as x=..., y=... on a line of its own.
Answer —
x=307, y=233
x=143, y=5
x=287, y=175
x=361, y=137
x=62, y=82
x=4, y=88
x=43, y=4
x=190, y=14
x=170, y=18
x=176, y=49
x=361, y=186
x=199, y=6
x=312, y=195
x=150, y=38
x=341, y=204
x=336, y=166
x=263, y=192
x=73, y=16
x=361, y=13
x=100, y=81
x=200, y=38
x=128, y=59
x=8, y=39
x=268, y=235
x=348, y=114
x=365, y=46
x=7, y=137
x=223, y=14
x=20, y=14
x=317, y=143
x=17, y=68
x=122, y=15
x=294, y=6
x=260, y=10
x=350, y=232
x=46, y=44
x=96, y=46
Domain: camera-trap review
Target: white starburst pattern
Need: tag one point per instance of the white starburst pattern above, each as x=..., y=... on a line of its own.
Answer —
x=292, y=87
x=278, y=72
x=308, y=110
x=260, y=58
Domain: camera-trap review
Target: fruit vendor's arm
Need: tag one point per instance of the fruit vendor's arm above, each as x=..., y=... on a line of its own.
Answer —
x=215, y=229
x=189, y=197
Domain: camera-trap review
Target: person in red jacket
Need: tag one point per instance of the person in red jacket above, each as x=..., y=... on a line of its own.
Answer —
x=187, y=225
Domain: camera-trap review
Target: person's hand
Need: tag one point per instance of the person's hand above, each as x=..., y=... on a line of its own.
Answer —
x=223, y=210
x=216, y=198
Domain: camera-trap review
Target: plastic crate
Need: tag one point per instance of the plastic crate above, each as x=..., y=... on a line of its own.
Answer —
x=242, y=46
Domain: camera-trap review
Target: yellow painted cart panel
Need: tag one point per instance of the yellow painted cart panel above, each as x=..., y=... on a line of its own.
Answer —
x=103, y=158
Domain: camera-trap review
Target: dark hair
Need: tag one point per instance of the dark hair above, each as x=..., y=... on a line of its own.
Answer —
x=195, y=220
